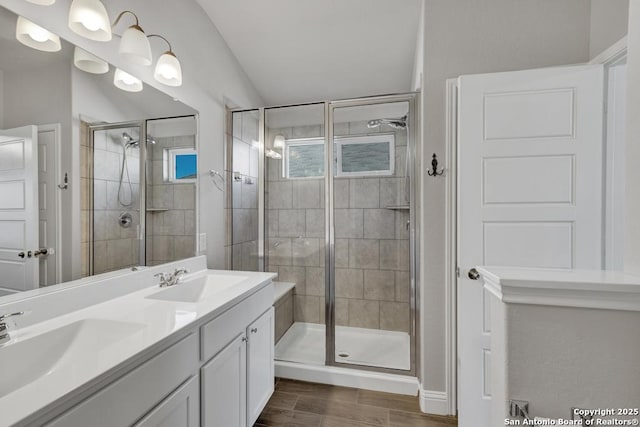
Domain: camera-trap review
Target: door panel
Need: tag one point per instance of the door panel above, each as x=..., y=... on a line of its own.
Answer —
x=18, y=208
x=48, y=137
x=530, y=184
x=260, y=368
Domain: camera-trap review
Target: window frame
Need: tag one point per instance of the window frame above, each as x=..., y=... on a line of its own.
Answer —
x=171, y=154
x=339, y=142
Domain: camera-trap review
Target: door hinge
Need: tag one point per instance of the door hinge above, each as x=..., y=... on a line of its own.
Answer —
x=458, y=272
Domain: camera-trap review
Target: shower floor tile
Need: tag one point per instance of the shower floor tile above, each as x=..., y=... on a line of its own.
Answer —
x=304, y=343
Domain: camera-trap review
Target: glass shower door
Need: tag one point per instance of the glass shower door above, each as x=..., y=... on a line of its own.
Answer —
x=373, y=325
x=294, y=146
x=111, y=199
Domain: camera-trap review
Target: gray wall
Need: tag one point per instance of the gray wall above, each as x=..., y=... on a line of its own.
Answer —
x=609, y=22
x=467, y=37
x=563, y=357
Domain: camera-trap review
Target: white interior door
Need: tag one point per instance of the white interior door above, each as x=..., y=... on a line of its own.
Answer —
x=19, y=209
x=530, y=194
x=48, y=149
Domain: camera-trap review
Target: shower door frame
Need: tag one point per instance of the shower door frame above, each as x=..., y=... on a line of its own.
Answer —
x=330, y=291
x=413, y=126
x=142, y=190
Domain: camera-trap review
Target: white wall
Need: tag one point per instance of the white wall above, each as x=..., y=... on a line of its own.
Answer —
x=467, y=37
x=609, y=20
x=212, y=79
x=632, y=203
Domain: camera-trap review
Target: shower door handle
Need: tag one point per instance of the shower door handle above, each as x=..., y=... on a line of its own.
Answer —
x=473, y=274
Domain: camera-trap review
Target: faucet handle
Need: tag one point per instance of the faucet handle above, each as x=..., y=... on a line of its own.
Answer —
x=6, y=316
x=162, y=276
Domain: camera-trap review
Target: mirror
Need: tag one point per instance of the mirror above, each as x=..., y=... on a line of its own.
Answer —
x=72, y=208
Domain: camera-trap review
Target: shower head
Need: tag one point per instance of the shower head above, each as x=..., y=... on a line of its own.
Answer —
x=128, y=140
x=400, y=123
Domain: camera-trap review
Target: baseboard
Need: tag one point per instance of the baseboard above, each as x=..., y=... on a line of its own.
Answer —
x=434, y=402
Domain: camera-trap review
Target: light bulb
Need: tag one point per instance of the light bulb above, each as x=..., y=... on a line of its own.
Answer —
x=38, y=34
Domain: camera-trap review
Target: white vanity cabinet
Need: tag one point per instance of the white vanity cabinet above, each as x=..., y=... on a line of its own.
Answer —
x=239, y=380
x=260, y=364
x=220, y=373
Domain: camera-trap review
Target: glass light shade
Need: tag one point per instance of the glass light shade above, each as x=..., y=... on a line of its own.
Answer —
x=88, y=62
x=36, y=37
x=273, y=154
x=126, y=81
x=42, y=2
x=168, y=70
x=278, y=141
x=89, y=19
x=135, y=46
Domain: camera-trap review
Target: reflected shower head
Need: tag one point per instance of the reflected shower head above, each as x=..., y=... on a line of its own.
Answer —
x=400, y=123
x=128, y=140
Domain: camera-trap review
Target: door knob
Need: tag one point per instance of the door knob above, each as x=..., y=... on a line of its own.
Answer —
x=473, y=274
x=21, y=255
x=40, y=252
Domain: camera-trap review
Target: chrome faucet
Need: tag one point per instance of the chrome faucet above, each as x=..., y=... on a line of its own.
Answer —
x=170, y=279
x=4, y=334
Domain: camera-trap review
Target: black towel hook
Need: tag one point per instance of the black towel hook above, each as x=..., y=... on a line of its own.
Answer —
x=434, y=167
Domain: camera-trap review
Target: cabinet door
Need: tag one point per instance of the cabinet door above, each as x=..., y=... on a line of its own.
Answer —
x=260, y=372
x=224, y=387
x=180, y=409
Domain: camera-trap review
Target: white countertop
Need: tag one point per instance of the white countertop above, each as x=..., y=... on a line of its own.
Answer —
x=150, y=321
x=572, y=288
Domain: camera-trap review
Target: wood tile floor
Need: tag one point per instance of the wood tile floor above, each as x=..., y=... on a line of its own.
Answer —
x=301, y=404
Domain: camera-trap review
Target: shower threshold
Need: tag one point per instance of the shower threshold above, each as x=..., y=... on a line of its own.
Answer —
x=305, y=343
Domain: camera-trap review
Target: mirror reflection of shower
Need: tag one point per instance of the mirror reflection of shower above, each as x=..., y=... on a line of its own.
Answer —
x=128, y=142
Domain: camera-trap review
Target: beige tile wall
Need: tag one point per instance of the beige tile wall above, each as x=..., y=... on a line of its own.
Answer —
x=171, y=215
x=241, y=207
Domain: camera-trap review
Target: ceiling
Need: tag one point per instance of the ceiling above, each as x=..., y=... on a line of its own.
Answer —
x=313, y=50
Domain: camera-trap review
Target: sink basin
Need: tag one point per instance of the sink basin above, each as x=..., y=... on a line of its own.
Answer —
x=59, y=351
x=198, y=289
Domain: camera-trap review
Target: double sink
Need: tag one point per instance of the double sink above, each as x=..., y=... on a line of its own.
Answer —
x=62, y=351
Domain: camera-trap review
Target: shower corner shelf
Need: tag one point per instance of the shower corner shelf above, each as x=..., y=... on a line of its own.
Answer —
x=152, y=210
x=398, y=207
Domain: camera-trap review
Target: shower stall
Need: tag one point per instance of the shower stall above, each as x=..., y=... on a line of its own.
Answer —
x=323, y=194
x=138, y=195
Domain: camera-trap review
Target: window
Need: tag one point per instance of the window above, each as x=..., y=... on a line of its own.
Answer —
x=365, y=155
x=355, y=156
x=304, y=158
x=182, y=164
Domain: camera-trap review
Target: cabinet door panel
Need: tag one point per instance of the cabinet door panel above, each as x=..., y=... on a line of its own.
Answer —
x=224, y=387
x=260, y=372
x=180, y=409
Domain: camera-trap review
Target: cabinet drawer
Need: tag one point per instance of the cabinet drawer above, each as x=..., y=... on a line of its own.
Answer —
x=126, y=400
x=216, y=334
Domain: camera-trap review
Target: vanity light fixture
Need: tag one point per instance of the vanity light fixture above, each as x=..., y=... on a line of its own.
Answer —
x=42, y=2
x=36, y=37
x=88, y=62
x=168, y=70
x=127, y=82
x=134, y=45
x=273, y=154
x=89, y=19
x=278, y=141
